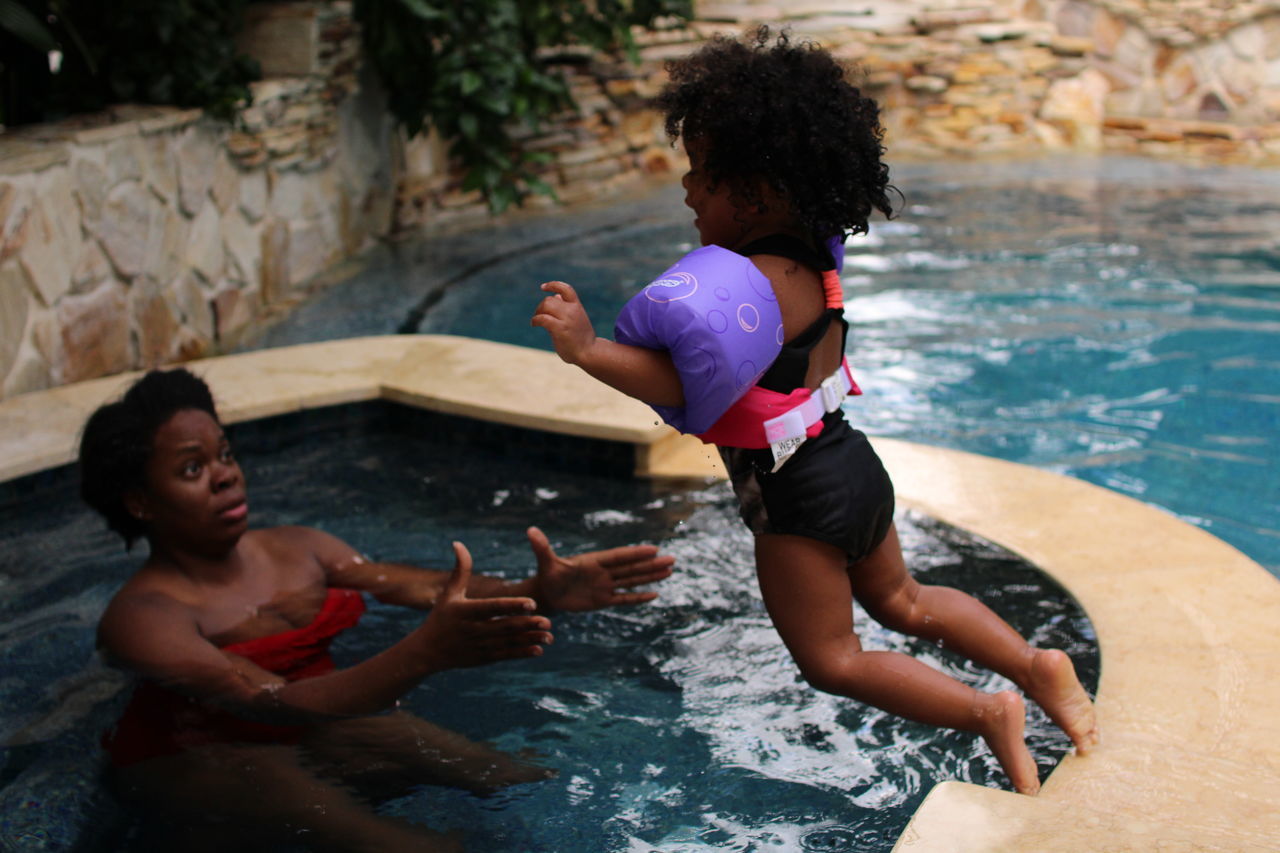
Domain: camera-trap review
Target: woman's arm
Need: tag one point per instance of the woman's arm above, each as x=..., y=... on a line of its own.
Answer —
x=645, y=374
x=410, y=586
x=394, y=583
x=583, y=582
x=157, y=637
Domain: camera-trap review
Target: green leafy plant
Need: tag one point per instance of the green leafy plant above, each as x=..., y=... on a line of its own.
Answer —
x=474, y=71
x=179, y=52
x=30, y=32
x=19, y=21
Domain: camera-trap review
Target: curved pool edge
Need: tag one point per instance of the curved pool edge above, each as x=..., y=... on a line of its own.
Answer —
x=1188, y=627
x=1189, y=636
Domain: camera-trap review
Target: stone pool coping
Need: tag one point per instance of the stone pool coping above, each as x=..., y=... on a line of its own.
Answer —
x=1188, y=627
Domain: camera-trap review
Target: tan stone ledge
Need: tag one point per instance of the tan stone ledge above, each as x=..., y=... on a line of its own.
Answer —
x=1188, y=627
x=170, y=119
x=23, y=157
x=27, y=150
x=512, y=385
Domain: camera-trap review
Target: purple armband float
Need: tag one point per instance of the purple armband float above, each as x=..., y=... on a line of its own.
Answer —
x=717, y=315
x=835, y=245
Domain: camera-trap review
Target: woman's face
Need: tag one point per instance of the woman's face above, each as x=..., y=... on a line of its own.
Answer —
x=194, y=495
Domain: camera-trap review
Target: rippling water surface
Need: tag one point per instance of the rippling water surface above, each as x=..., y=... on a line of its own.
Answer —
x=677, y=726
x=1117, y=321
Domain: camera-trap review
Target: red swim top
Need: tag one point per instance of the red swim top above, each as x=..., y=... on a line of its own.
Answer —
x=159, y=721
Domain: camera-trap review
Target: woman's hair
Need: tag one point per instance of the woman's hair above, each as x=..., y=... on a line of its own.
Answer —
x=117, y=442
x=785, y=114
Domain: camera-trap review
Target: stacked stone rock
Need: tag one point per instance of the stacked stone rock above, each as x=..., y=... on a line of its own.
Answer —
x=149, y=235
x=1199, y=78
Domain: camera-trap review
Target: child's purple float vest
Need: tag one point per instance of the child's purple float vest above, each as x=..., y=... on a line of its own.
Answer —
x=717, y=315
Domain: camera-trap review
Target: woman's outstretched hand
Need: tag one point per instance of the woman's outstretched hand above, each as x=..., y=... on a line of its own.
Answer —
x=593, y=580
x=562, y=315
x=462, y=632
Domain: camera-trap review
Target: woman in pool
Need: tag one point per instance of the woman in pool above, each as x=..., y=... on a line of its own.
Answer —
x=241, y=726
x=785, y=160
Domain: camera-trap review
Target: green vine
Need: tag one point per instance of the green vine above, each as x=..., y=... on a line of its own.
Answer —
x=473, y=71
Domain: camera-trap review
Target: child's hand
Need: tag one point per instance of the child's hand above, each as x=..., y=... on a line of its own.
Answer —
x=648, y=375
x=564, y=318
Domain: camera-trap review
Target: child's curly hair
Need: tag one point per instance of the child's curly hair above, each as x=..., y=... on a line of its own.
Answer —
x=785, y=114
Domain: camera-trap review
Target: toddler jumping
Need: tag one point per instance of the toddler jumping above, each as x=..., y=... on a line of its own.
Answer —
x=742, y=342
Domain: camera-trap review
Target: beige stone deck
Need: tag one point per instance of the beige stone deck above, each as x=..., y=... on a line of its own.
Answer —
x=1189, y=628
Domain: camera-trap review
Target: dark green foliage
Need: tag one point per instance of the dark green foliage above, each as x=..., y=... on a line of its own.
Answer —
x=25, y=26
x=179, y=52
x=472, y=71
x=29, y=31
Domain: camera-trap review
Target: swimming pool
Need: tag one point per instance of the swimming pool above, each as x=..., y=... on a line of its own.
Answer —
x=1114, y=319
x=46, y=772
x=681, y=726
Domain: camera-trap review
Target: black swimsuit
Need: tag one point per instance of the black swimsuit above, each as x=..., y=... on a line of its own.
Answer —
x=834, y=489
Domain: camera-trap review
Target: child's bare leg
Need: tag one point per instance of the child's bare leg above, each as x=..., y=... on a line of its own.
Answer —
x=882, y=584
x=395, y=751
x=265, y=798
x=807, y=592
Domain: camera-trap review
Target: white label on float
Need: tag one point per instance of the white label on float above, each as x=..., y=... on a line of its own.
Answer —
x=785, y=449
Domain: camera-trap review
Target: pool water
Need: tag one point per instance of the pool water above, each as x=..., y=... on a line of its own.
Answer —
x=677, y=726
x=1118, y=322
x=1114, y=319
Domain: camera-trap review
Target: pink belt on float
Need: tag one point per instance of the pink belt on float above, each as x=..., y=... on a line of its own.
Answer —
x=718, y=317
x=763, y=418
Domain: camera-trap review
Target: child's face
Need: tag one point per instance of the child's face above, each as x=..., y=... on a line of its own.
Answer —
x=718, y=219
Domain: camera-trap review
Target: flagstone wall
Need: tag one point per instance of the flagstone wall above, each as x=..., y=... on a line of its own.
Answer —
x=149, y=235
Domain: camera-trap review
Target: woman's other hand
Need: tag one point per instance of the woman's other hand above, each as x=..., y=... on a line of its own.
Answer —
x=593, y=580
x=463, y=632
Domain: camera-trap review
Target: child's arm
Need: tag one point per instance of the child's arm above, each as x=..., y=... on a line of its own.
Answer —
x=646, y=374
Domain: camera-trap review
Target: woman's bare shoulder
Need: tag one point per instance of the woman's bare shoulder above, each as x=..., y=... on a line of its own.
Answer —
x=290, y=545
x=289, y=537
x=149, y=604
x=153, y=585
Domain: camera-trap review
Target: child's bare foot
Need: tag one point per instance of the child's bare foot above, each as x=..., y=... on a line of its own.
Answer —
x=1002, y=718
x=1055, y=687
